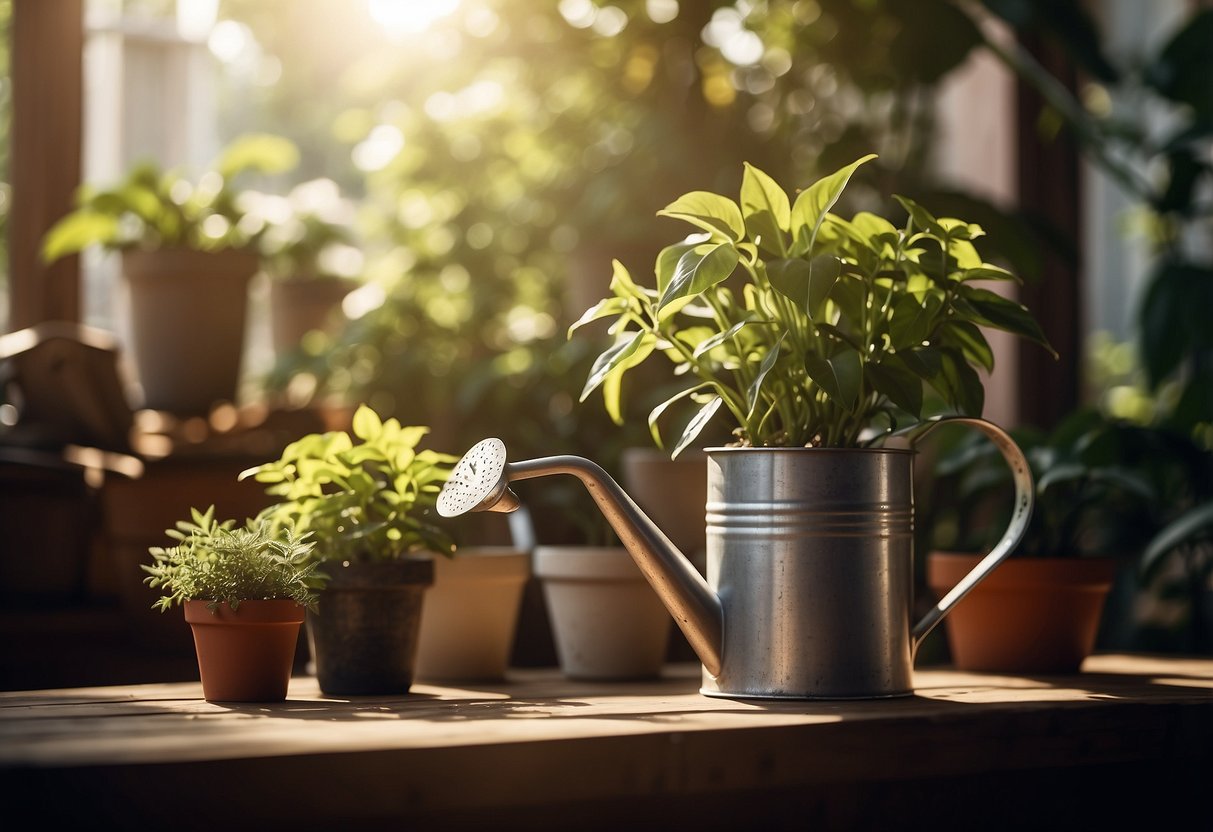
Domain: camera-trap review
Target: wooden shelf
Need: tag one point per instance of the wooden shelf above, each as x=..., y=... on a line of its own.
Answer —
x=1133, y=735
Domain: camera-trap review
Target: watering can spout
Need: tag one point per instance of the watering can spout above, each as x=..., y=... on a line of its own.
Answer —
x=480, y=482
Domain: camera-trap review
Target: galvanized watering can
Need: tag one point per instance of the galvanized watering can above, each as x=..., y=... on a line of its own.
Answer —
x=809, y=559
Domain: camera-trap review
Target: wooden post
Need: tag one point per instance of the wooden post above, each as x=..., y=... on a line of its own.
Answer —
x=1049, y=189
x=47, y=78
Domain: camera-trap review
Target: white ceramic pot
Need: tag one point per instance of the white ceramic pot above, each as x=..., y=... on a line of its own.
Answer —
x=471, y=614
x=607, y=622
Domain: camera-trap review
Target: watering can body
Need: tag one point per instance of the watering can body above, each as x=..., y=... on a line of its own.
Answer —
x=810, y=552
x=810, y=561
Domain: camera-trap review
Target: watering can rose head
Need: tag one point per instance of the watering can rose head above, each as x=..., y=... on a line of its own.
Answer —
x=834, y=332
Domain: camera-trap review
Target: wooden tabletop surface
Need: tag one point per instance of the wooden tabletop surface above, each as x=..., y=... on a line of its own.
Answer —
x=539, y=741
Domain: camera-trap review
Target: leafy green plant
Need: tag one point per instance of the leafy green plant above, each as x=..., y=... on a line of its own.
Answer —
x=155, y=208
x=218, y=562
x=837, y=326
x=361, y=501
x=1104, y=487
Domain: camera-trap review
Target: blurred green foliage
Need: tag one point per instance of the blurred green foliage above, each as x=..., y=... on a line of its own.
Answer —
x=513, y=150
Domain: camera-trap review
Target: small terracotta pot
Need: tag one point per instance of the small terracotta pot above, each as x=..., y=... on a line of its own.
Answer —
x=246, y=654
x=1030, y=615
x=471, y=613
x=607, y=621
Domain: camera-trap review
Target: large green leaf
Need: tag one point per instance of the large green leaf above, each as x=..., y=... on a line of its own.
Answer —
x=366, y=425
x=711, y=212
x=667, y=259
x=625, y=344
x=710, y=343
x=850, y=295
x=922, y=218
x=698, y=422
x=958, y=383
x=612, y=385
x=622, y=285
x=656, y=413
x=912, y=321
x=76, y=232
x=972, y=343
x=839, y=376
x=766, y=210
x=791, y=279
x=1174, y=318
x=811, y=207
x=754, y=392
x=260, y=152
x=698, y=270
x=901, y=386
x=1002, y=313
x=605, y=308
x=1185, y=65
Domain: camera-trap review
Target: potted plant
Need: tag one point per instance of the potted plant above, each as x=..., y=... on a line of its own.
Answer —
x=189, y=250
x=309, y=259
x=818, y=336
x=606, y=622
x=366, y=500
x=1104, y=489
x=470, y=616
x=244, y=590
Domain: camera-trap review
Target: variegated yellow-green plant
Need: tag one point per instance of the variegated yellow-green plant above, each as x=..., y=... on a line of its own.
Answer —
x=808, y=329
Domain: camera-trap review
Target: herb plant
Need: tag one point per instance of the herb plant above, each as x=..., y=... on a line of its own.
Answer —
x=835, y=329
x=368, y=500
x=155, y=208
x=218, y=562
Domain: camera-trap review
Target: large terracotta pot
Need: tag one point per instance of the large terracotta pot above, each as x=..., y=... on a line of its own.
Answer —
x=1031, y=615
x=188, y=311
x=245, y=654
x=364, y=633
x=298, y=306
x=606, y=620
x=471, y=613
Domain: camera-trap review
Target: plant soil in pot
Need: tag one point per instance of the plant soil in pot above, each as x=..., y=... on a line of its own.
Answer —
x=364, y=633
x=607, y=622
x=471, y=613
x=1031, y=615
x=245, y=654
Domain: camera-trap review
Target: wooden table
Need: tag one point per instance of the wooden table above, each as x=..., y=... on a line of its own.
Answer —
x=1128, y=741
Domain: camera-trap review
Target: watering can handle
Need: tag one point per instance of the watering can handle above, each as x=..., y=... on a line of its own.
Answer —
x=1021, y=515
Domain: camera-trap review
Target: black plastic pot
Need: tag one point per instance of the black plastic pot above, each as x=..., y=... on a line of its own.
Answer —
x=363, y=636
